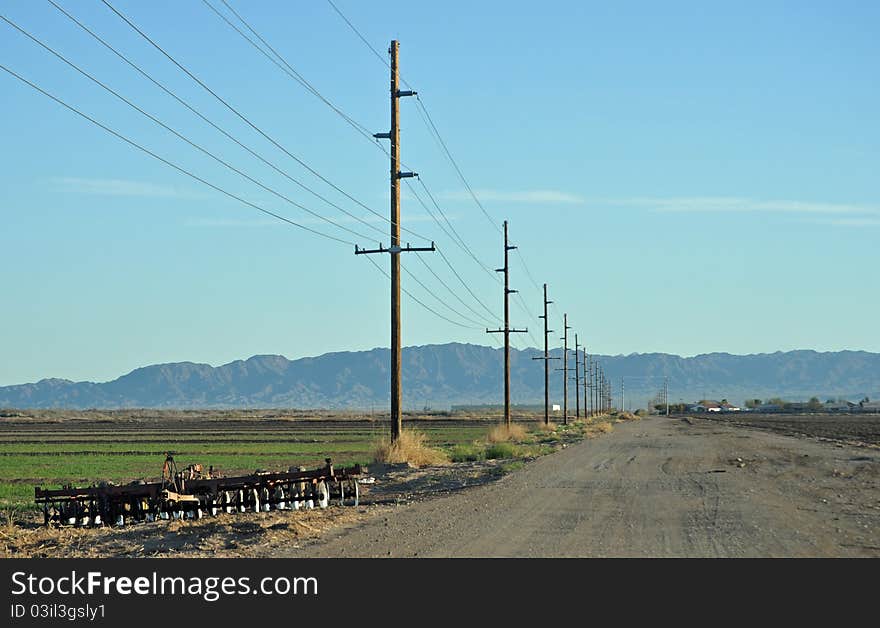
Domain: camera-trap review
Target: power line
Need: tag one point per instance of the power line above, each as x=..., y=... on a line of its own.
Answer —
x=221, y=190
x=238, y=113
x=292, y=73
x=286, y=67
x=170, y=93
x=465, y=284
x=528, y=272
x=176, y=133
x=427, y=116
x=458, y=243
x=455, y=165
x=299, y=78
x=363, y=39
x=252, y=152
x=167, y=162
x=460, y=239
x=453, y=293
x=438, y=138
x=444, y=303
x=416, y=299
x=528, y=313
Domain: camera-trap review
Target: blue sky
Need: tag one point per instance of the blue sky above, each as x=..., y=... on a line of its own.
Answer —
x=687, y=177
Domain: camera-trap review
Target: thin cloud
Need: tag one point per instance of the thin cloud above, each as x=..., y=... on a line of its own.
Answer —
x=851, y=222
x=525, y=196
x=123, y=187
x=716, y=204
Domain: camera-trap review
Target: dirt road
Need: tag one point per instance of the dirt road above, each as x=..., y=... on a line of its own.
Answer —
x=656, y=487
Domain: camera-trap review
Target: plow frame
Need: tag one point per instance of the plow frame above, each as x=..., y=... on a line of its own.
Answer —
x=178, y=496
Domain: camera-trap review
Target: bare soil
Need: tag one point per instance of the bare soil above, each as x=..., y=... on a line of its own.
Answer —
x=659, y=487
x=858, y=429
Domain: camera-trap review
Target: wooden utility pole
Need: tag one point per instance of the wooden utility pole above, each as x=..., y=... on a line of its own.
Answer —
x=605, y=392
x=507, y=329
x=666, y=394
x=604, y=389
x=577, y=381
x=564, y=368
x=395, y=249
x=585, y=382
x=588, y=373
x=546, y=359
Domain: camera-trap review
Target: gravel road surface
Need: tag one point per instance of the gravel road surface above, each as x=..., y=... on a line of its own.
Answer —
x=657, y=487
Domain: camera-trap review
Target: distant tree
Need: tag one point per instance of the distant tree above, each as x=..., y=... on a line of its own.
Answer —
x=724, y=402
x=829, y=401
x=814, y=403
x=753, y=403
x=776, y=401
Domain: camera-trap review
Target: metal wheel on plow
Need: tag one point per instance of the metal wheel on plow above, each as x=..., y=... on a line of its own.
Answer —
x=322, y=493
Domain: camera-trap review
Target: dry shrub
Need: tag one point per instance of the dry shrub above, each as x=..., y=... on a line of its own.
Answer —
x=628, y=416
x=502, y=433
x=546, y=427
x=410, y=447
x=603, y=427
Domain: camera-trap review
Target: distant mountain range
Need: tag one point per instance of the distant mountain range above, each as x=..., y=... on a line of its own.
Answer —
x=439, y=376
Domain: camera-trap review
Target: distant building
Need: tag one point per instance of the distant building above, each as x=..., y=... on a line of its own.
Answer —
x=838, y=406
x=708, y=405
x=769, y=407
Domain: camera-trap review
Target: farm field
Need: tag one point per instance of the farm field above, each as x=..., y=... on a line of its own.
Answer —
x=857, y=428
x=51, y=450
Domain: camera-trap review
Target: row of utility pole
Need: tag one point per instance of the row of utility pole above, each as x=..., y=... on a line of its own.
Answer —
x=593, y=380
x=596, y=387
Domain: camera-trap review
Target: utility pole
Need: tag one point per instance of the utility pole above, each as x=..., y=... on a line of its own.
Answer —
x=666, y=393
x=507, y=330
x=622, y=394
x=609, y=394
x=595, y=392
x=577, y=381
x=588, y=373
x=546, y=359
x=395, y=249
x=564, y=368
x=585, y=382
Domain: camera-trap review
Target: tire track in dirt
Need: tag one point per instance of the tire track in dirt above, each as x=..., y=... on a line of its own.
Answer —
x=658, y=487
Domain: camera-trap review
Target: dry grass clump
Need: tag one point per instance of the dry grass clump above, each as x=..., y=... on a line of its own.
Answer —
x=545, y=427
x=410, y=447
x=502, y=433
x=604, y=427
x=628, y=416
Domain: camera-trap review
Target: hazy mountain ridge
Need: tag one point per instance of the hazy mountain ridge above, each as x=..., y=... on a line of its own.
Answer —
x=454, y=373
